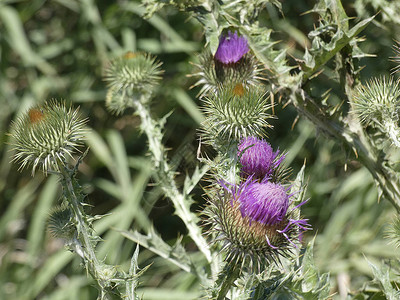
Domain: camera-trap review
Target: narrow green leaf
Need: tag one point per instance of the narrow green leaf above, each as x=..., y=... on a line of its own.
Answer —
x=36, y=229
x=20, y=42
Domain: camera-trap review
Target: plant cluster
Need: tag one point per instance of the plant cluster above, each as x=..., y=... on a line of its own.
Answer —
x=251, y=239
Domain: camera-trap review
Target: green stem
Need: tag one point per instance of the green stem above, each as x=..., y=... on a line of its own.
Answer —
x=165, y=176
x=84, y=245
x=225, y=281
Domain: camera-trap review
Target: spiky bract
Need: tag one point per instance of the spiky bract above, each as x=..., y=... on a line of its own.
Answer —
x=46, y=135
x=132, y=77
x=378, y=100
x=248, y=243
x=213, y=73
x=396, y=59
x=234, y=112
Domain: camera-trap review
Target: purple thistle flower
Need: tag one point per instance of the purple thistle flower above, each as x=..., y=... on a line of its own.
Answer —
x=264, y=202
x=255, y=222
x=257, y=157
x=231, y=48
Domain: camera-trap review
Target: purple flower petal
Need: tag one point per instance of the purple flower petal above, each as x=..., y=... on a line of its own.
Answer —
x=265, y=203
x=257, y=157
x=231, y=48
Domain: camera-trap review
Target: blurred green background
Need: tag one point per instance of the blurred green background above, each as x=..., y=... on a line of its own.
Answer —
x=58, y=49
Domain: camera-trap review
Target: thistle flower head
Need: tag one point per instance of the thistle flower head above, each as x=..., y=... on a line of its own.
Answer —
x=254, y=222
x=131, y=77
x=257, y=157
x=378, y=100
x=231, y=48
x=138, y=71
x=266, y=203
x=46, y=135
x=235, y=112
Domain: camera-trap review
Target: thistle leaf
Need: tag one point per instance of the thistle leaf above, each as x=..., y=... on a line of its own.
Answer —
x=175, y=254
x=321, y=52
x=191, y=182
x=382, y=276
x=302, y=282
x=299, y=187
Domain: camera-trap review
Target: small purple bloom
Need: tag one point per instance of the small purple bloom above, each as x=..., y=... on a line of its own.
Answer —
x=257, y=157
x=265, y=202
x=231, y=48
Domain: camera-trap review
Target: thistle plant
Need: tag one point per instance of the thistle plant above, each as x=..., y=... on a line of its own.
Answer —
x=231, y=48
x=250, y=239
x=164, y=173
x=254, y=221
x=252, y=218
x=46, y=137
x=248, y=214
x=393, y=232
x=233, y=112
x=257, y=158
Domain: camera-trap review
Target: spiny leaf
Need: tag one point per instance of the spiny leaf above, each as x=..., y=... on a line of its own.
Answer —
x=382, y=275
x=175, y=254
x=322, y=52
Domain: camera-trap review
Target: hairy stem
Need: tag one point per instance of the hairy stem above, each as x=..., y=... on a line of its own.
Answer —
x=225, y=281
x=165, y=176
x=84, y=244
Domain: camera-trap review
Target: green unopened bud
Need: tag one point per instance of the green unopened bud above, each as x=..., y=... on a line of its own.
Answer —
x=60, y=223
x=46, y=135
x=130, y=78
x=377, y=100
x=378, y=103
x=106, y=273
x=234, y=112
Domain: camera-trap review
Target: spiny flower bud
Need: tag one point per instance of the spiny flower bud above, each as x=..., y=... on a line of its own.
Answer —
x=257, y=157
x=378, y=103
x=46, y=135
x=378, y=100
x=254, y=222
x=132, y=77
x=60, y=223
x=232, y=64
x=235, y=112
